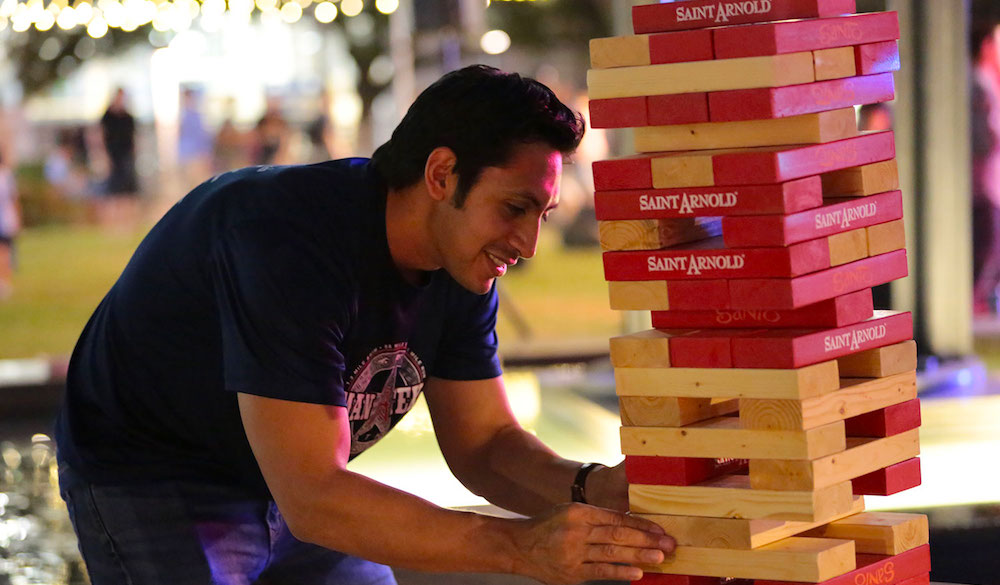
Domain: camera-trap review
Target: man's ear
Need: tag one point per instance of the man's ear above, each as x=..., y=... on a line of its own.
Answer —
x=439, y=173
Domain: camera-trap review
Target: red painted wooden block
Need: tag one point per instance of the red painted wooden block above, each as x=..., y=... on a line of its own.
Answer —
x=890, y=480
x=711, y=348
x=647, y=470
x=782, y=198
x=632, y=172
x=776, y=38
x=885, y=422
x=924, y=579
x=709, y=259
x=878, y=569
x=618, y=113
x=684, y=46
x=795, y=100
x=795, y=348
x=666, y=579
x=792, y=293
x=705, y=13
x=782, y=230
x=679, y=108
x=698, y=294
x=839, y=312
x=774, y=165
x=876, y=58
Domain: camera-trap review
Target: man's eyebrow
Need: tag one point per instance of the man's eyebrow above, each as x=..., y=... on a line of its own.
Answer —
x=534, y=201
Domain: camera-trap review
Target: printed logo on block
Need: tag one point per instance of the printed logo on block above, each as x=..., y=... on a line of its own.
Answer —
x=881, y=576
x=854, y=339
x=845, y=217
x=726, y=317
x=381, y=390
x=846, y=280
x=694, y=265
x=688, y=203
x=723, y=11
x=835, y=32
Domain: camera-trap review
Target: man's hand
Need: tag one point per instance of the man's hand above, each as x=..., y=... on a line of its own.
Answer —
x=577, y=542
x=607, y=487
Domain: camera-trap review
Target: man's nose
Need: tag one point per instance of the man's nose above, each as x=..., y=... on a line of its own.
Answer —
x=525, y=238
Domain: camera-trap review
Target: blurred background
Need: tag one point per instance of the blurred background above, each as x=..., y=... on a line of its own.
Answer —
x=111, y=110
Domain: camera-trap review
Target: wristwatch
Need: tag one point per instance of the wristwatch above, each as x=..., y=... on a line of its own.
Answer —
x=577, y=490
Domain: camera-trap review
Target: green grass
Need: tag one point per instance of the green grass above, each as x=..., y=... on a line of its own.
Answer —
x=64, y=272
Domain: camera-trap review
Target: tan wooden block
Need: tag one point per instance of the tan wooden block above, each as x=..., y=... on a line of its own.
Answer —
x=627, y=51
x=806, y=129
x=645, y=349
x=672, y=411
x=834, y=63
x=861, y=181
x=722, y=437
x=856, y=396
x=810, y=560
x=880, y=362
x=799, y=383
x=848, y=246
x=879, y=533
x=739, y=533
x=653, y=234
x=863, y=455
x=689, y=170
x=732, y=497
x=698, y=76
x=886, y=237
x=638, y=295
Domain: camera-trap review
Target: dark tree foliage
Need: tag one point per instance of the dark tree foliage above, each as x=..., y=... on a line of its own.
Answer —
x=544, y=25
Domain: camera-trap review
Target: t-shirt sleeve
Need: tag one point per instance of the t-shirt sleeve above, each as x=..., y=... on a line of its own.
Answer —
x=283, y=307
x=468, y=349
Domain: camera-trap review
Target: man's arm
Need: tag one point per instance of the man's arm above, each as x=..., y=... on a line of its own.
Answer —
x=302, y=450
x=495, y=458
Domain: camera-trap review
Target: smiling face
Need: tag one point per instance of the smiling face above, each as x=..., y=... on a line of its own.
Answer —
x=500, y=217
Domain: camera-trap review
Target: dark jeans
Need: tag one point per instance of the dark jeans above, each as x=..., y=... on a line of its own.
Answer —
x=188, y=533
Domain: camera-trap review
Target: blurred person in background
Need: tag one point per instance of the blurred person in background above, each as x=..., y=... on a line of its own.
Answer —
x=119, y=207
x=271, y=136
x=320, y=132
x=10, y=225
x=279, y=321
x=985, y=114
x=194, y=143
x=229, y=149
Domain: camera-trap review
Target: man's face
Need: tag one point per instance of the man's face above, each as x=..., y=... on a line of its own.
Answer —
x=500, y=218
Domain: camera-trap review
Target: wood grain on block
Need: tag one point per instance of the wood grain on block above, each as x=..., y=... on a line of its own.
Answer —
x=709, y=259
x=704, y=294
x=803, y=35
x=738, y=533
x=626, y=51
x=652, y=470
x=886, y=237
x=795, y=100
x=682, y=170
x=699, y=76
x=630, y=172
x=668, y=579
x=862, y=456
x=782, y=198
x=643, y=295
x=879, y=362
x=848, y=246
x=879, y=533
x=791, y=293
x=644, y=349
x=728, y=383
x=815, y=128
x=834, y=63
x=706, y=13
x=678, y=108
x=796, y=558
x=731, y=497
x=722, y=437
x=886, y=422
x=876, y=58
x=879, y=569
x=635, y=50
x=653, y=234
x=775, y=165
x=891, y=480
x=793, y=348
x=838, y=312
x=709, y=348
x=856, y=397
x=832, y=218
x=862, y=181
x=619, y=113
x=672, y=411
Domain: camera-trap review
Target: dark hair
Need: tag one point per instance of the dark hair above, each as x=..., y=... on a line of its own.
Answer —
x=481, y=114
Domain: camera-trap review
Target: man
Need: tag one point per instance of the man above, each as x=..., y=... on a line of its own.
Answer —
x=278, y=321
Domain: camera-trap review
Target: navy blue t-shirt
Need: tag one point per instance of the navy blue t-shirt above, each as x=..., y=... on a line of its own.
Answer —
x=273, y=281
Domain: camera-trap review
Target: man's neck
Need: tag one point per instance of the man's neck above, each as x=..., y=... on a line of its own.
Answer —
x=406, y=226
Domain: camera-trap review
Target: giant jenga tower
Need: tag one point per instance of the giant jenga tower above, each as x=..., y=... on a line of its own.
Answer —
x=770, y=397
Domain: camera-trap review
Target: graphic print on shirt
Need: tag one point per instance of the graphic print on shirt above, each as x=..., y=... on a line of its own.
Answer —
x=381, y=390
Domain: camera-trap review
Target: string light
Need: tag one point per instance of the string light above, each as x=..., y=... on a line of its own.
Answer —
x=352, y=7
x=326, y=12
x=386, y=6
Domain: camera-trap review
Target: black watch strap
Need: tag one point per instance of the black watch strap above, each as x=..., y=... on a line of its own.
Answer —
x=577, y=491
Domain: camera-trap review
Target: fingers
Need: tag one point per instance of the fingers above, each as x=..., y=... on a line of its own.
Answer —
x=613, y=553
x=624, y=536
x=610, y=572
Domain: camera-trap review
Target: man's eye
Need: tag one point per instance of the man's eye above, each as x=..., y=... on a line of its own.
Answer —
x=516, y=210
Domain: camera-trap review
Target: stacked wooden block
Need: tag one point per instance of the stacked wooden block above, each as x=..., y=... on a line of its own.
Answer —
x=770, y=397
